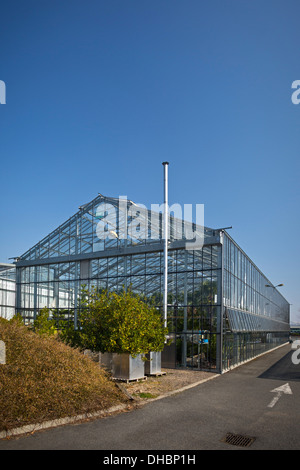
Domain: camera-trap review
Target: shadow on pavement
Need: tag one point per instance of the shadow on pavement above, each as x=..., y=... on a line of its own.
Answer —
x=284, y=369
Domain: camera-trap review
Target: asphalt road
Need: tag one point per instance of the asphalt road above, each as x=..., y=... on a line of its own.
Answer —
x=243, y=401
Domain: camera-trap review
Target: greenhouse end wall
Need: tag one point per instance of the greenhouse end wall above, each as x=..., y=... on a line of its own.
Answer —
x=194, y=294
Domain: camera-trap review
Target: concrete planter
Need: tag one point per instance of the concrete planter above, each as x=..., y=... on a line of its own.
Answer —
x=125, y=367
x=153, y=363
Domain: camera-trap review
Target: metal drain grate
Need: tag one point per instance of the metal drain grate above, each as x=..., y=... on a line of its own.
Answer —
x=238, y=440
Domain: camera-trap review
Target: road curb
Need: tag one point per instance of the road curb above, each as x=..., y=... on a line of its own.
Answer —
x=30, y=428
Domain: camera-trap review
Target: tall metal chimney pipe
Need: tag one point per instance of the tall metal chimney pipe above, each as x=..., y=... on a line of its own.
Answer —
x=166, y=239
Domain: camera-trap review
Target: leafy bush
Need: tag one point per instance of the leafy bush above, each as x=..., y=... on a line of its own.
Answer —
x=43, y=324
x=118, y=323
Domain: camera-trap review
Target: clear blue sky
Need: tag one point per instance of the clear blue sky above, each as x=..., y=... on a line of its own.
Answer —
x=100, y=93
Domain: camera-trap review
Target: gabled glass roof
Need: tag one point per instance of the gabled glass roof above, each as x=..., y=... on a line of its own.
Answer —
x=108, y=223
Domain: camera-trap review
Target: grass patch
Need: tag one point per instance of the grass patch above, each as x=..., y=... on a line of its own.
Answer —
x=147, y=395
x=44, y=379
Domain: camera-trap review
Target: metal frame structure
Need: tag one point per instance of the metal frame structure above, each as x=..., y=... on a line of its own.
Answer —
x=256, y=317
x=219, y=312
x=7, y=290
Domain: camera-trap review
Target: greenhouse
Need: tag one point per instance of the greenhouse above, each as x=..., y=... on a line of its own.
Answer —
x=221, y=309
x=7, y=290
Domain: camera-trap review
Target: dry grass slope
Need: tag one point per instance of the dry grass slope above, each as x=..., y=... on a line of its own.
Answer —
x=43, y=379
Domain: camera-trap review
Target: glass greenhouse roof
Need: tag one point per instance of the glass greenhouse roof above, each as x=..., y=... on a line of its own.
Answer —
x=108, y=223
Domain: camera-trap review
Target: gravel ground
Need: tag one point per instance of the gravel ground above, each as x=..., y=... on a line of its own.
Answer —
x=172, y=380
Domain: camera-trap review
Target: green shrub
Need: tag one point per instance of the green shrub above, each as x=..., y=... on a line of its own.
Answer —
x=43, y=324
x=119, y=323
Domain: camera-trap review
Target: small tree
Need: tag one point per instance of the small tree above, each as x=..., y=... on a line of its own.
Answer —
x=17, y=318
x=119, y=323
x=43, y=324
